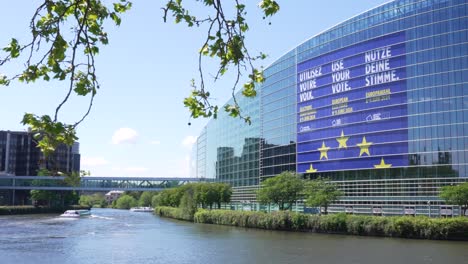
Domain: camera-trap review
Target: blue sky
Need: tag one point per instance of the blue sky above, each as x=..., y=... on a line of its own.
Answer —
x=138, y=126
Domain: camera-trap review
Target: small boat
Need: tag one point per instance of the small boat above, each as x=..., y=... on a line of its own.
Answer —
x=141, y=209
x=76, y=213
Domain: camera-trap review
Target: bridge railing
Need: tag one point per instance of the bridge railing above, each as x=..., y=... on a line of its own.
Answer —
x=93, y=183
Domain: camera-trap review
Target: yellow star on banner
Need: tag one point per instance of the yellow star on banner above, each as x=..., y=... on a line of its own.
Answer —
x=364, y=145
x=342, y=140
x=323, y=151
x=311, y=169
x=382, y=165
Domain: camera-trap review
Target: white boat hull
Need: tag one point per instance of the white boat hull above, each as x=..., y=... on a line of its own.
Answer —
x=141, y=209
x=76, y=213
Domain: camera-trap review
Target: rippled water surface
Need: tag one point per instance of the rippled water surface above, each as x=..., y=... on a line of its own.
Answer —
x=118, y=236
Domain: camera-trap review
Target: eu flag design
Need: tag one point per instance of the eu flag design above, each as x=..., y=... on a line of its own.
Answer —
x=351, y=111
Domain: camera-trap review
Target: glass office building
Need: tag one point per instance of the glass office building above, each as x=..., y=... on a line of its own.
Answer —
x=19, y=156
x=378, y=104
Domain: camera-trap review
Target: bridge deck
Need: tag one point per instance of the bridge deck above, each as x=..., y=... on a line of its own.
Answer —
x=94, y=183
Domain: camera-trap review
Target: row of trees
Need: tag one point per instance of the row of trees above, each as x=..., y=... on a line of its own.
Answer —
x=134, y=199
x=287, y=188
x=126, y=201
x=203, y=194
x=283, y=190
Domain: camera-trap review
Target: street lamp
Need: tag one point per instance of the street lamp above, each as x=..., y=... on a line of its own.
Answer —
x=429, y=205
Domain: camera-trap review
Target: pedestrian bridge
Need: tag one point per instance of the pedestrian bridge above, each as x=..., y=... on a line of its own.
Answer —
x=94, y=183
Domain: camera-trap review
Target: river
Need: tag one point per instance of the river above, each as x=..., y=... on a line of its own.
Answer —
x=120, y=236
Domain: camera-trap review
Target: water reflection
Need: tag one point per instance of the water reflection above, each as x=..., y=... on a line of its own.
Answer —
x=117, y=236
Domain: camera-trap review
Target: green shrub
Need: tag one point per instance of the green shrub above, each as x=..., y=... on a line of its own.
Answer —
x=145, y=199
x=403, y=226
x=334, y=223
x=29, y=209
x=126, y=202
x=94, y=200
x=172, y=212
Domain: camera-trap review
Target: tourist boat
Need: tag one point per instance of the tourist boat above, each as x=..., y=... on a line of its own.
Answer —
x=76, y=213
x=141, y=209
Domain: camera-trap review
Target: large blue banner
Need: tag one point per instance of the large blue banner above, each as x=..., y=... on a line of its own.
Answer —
x=351, y=108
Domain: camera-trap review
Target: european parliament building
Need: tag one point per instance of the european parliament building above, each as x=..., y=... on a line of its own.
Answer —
x=378, y=104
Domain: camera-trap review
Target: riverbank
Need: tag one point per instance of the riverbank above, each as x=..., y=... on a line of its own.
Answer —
x=405, y=227
x=29, y=209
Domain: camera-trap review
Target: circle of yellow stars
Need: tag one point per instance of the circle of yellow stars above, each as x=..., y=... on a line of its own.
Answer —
x=342, y=143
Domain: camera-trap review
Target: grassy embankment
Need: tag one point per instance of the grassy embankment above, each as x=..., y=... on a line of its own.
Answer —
x=399, y=226
x=29, y=209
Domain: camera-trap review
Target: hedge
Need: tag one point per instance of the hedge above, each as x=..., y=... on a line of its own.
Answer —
x=173, y=212
x=405, y=226
x=29, y=209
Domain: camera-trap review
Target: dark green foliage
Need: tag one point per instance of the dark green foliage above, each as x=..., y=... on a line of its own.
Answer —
x=203, y=194
x=170, y=197
x=225, y=41
x=320, y=192
x=29, y=209
x=93, y=200
x=145, y=199
x=156, y=200
x=66, y=36
x=44, y=197
x=171, y=212
x=404, y=226
x=188, y=204
x=281, y=220
x=189, y=197
x=125, y=202
x=56, y=53
x=56, y=198
x=283, y=190
x=457, y=194
x=134, y=194
x=73, y=179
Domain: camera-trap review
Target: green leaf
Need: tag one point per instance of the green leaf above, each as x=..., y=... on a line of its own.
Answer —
x=83, y=85
x=13, y=48
x=4, y=80
x=269, y=7
x=205, y=50
x=249, y=90
x=116, y=18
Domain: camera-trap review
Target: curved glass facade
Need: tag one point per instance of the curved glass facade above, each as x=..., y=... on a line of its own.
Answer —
x=377, y=103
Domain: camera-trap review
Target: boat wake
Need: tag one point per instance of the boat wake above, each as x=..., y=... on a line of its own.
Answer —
x=101, y=217
x=58, y=218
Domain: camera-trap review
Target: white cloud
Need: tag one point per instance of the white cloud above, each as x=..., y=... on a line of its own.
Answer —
x=124, y=135
x=93, y=161
x=189, y=141
x=155, y=142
